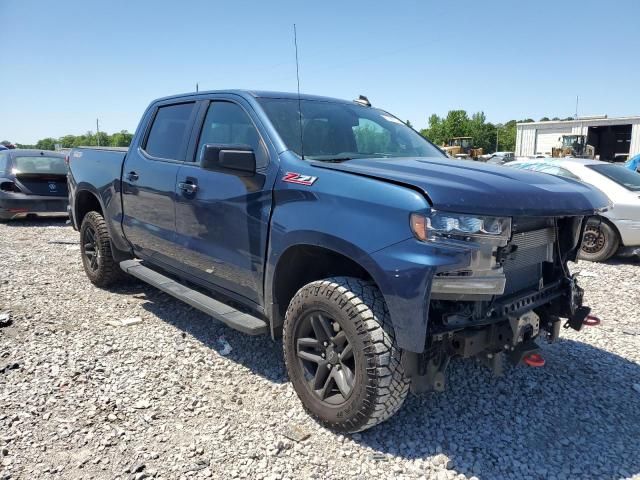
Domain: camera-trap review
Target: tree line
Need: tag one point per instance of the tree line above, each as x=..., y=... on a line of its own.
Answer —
x=490, y=137
x=89, y=139
x=457, y=123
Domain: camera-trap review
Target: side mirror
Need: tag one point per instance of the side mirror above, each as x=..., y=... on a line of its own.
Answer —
x=239, y=158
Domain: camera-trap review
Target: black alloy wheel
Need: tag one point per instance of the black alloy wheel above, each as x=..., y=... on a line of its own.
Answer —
x=90, y=249
x=326, y=357
x=341, y=354
x=95, y=248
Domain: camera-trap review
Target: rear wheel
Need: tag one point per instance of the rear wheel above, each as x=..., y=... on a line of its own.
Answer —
x=95, y=248
x=599, y=242
x=341, y=354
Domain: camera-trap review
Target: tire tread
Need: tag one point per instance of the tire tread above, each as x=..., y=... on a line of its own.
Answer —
x=364, y=304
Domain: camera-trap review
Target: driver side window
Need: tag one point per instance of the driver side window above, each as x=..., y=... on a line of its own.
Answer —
x=227, y=123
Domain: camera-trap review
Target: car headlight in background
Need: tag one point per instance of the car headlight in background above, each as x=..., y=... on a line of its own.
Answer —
x=442, y=224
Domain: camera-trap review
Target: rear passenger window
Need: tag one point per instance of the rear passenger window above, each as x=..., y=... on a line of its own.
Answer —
x=227, y=123
x=169, y=132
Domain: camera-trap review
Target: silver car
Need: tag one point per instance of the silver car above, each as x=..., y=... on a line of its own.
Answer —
x=618, y=229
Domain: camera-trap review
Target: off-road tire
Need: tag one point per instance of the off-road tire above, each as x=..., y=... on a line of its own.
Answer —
x=603, y=241
x=108, y=271
x=380, y=386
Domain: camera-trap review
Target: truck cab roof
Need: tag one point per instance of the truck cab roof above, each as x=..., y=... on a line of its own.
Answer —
x=259, y=94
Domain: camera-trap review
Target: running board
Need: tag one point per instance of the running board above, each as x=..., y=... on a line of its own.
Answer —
x=228, y=315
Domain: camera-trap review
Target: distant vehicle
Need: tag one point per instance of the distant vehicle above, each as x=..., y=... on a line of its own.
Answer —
x=619, y=227
x=633, y=164
x=462, y=147
x=573, y=146
x=333, y=224
x=2, y=147
x=32, y=182
x=500, y=158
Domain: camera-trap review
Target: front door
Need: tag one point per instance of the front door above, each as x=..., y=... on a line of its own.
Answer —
x=222, y=221
x=149, y=182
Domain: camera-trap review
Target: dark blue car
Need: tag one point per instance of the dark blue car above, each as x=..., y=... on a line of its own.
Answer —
x=334, y=225
x=32, y=183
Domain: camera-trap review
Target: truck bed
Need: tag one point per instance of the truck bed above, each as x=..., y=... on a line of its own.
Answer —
x=97, y=164
x=98, y=170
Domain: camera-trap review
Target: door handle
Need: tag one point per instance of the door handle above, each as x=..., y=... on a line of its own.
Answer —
x=188, y=187
x=132, y=176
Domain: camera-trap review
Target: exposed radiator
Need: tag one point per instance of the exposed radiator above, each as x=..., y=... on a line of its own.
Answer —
x=524, y=268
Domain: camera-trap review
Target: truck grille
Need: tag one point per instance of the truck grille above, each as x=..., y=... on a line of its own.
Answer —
x=524, y=267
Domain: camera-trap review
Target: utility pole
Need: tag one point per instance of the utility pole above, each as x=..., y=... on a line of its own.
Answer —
x=577, y=107
x=497, y=136
x=197, y=87
x=97, y=133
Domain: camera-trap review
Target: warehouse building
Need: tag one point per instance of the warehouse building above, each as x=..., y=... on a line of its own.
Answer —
x=614, y=139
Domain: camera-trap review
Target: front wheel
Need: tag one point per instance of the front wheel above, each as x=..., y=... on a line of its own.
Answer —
x=599, y=242
x=341, y=354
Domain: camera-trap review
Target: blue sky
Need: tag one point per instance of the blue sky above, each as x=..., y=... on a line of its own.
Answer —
x=67, y=62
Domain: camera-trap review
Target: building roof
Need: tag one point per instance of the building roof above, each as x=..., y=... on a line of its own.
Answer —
x=604, y=119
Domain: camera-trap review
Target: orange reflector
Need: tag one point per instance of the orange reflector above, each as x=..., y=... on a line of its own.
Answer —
x=534, y=360
x=591, y=321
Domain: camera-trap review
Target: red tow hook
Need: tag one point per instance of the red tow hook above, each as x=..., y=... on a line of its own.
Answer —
x=534, y=360
x=591, y=321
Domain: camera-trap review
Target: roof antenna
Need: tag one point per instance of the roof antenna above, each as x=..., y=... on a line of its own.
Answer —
x=295, y=42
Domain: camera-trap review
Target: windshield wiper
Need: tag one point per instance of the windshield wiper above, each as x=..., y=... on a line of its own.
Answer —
x=330, y=159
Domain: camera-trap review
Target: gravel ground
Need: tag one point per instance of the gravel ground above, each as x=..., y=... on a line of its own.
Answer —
x=83, y=396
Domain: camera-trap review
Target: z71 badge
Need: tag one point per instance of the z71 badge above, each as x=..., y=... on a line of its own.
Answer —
x=299, y=179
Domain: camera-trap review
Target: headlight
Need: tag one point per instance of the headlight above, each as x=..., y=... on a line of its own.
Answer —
x=442, y=224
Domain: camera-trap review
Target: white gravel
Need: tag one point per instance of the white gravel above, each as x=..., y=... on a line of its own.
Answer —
x=168, y=393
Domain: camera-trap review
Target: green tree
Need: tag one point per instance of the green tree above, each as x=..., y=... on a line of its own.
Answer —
x=435, y=132
x=46, y=144
x=67, y=141
x=102, y=139
x=121, y=139
x=507, y=137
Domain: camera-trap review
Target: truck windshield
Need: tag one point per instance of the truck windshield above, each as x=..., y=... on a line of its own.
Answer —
x=40, y=164
x=334, y=131
x=622, y=176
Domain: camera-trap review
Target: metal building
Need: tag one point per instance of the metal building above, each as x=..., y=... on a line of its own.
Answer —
x=614, y=139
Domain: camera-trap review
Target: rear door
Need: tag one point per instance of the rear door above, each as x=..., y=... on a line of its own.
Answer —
x=149, y=181
x=222, y=226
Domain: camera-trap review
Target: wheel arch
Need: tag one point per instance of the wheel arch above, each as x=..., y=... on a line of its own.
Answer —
x=303, y=263
x=85, y=202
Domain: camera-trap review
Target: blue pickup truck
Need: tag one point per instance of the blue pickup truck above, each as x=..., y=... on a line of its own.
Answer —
x=334, y=225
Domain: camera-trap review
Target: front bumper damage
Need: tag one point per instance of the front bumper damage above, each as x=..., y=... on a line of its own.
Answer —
x=508, y=296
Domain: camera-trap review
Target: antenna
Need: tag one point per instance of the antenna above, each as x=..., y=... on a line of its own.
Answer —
x=295, y=42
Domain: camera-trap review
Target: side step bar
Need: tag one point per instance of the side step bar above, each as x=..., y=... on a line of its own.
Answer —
x=228, y=315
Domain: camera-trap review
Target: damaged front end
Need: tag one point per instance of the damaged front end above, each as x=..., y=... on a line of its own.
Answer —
x=516, y=289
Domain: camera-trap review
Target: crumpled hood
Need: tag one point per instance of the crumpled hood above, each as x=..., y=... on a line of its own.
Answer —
x=465, y=186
